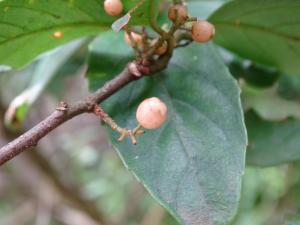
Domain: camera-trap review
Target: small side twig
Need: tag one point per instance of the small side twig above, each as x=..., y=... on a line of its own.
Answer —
x=152, y=21
x=98, y=111
x=134, y=45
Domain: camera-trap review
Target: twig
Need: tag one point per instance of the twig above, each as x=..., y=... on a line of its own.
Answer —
x=124, y=132
x=66, y=112
x=134, y=45
x=152, y=21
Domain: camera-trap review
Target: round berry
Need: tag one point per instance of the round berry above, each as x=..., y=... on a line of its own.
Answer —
x=202, y=31
x=113, y=7
x=151, y=113
x=180, y=10
x=137, y=38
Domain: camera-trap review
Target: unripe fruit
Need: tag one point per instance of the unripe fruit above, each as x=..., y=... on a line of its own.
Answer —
x=113, y=7
x=151, y=113
x=202, y=31
x=162, y=49
x=182, y=13
x=137, y=38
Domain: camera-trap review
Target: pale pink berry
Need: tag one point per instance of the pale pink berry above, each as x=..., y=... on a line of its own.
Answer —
x=113, y=7
x=151, y=113
x=202, y=31
x=180, y=10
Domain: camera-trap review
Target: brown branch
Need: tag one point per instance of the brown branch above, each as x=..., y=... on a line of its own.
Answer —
x=64, y=113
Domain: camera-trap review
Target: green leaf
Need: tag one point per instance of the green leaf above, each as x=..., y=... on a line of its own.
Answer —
x=268, y=104
x=142, y=14
x=104, y=60
x=42, y=73
x=194, y=163
x=264, y=31
x=28, y=28
x=272, y=143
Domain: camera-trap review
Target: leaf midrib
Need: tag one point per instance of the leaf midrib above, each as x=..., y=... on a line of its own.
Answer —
x=190, y=159
x=70, y=25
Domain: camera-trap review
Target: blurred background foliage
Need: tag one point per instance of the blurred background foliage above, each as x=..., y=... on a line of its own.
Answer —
x=74, y=177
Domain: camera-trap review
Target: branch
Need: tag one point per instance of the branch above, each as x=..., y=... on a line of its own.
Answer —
x=64, y=113
x=133, y=71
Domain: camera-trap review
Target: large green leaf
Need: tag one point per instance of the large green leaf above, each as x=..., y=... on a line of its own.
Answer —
x=194, y=163
x=272, y=143
x=264, y=31
x=27, y=28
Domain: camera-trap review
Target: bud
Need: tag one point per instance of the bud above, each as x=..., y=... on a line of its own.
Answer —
x=182, y=13
x=137, y=38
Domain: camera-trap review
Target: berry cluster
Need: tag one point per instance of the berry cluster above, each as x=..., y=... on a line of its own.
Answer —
x=152, y=112
x=202, y=31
